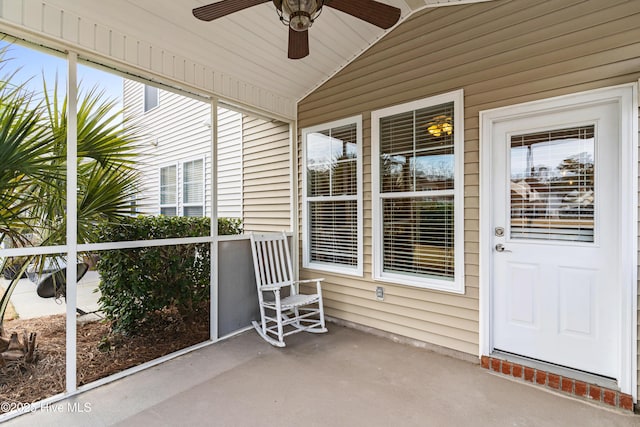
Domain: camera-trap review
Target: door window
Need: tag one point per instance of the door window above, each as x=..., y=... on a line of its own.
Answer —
x=552, y=185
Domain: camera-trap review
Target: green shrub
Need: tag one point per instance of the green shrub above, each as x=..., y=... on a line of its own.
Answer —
x=228, y=226
x=136, y=283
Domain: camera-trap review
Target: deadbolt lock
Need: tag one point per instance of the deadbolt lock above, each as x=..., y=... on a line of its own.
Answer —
x=499, y=231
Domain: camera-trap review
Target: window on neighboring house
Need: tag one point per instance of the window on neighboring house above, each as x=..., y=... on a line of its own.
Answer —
x=193, y=188
x=332, y=196
x=133, y=205
x=417, y=174
x=168, y=190
x=151, y=97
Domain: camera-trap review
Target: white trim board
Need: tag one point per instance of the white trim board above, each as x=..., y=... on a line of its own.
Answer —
x=626, y=96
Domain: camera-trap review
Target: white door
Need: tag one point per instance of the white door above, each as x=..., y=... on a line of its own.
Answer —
x=556, y=237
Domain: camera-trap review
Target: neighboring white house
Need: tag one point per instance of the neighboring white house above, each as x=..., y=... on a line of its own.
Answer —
x=176, y=153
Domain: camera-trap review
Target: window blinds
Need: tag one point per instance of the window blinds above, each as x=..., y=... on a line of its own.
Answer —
x=168, y=185
x=419, y=235
x=417, y=170
x=151, y=97
x=413, y=159
x=192, y=211
x=168, y=211
x=333, y=231
x=331, y=167
x=553, y=185
x=193, y=182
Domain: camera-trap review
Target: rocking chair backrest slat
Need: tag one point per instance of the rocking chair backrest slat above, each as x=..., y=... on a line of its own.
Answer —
x=288, y=272
x=260, y=259
x=264, y=256
x=272, y=263
x=278, y=264
x=271, y=259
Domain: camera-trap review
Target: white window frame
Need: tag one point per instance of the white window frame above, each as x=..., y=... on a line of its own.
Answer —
x=170, y=205
x=428, y=282
x=182, y=184
x=144, y=98
x=306, y=249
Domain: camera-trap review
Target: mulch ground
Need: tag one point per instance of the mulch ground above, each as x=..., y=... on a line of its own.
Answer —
x=99, y=353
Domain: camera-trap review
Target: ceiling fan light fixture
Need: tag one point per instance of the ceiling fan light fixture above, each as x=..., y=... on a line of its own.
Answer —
x=440, y=125
x=299, y=14
x=300, y=21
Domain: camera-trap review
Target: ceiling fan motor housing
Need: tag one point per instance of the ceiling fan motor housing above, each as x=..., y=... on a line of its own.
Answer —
x=298, y=14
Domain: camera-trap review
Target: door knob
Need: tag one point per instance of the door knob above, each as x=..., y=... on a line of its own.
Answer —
x=500, y=248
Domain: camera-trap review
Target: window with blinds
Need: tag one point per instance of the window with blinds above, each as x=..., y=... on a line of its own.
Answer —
x=151, y=97
x=193, y=188
x=553, y=185
x=168, y=190
x=417, y=199
x=418, y=235
x=332, y=197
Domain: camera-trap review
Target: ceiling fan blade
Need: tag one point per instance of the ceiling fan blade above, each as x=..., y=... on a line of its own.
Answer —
x=298, y=44
x=376, y=13
x=223, y=8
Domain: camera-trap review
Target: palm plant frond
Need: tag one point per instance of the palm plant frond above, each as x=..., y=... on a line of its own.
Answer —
x=104, y=134
x=106, y=196
x=33, y=165
x=25, y=163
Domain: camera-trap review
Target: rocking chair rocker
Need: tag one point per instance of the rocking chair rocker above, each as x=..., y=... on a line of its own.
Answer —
x=282, y=315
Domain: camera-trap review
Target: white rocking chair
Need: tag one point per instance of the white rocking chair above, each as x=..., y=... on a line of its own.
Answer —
x=283, y=316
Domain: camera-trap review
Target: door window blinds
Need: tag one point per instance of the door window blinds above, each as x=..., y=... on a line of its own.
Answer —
x=553, y=185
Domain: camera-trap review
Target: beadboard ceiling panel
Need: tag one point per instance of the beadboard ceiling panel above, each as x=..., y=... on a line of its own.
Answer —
x=241, y=58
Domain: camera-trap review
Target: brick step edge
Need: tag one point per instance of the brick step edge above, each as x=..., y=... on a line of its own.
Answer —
x=559, y=383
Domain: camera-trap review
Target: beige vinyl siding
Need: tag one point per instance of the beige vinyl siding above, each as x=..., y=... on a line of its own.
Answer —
x=266, y=169
x=229, y=163
x=501, y=53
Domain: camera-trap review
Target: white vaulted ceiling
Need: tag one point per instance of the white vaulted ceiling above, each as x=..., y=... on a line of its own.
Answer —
x=242, y=57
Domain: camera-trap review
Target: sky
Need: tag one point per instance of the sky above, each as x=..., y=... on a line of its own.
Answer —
x=30, y=66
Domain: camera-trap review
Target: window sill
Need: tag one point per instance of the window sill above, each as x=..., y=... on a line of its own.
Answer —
x=453, y=287
x=332, y=268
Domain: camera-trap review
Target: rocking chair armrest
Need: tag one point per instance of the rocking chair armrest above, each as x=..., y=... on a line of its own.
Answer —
x=316, y=281
x=274, y=287
x=309, y=280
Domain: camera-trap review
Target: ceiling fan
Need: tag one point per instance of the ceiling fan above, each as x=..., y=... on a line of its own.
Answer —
x=299, y=15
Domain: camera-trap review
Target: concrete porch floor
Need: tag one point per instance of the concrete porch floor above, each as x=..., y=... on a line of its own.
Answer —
x=343, y=378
